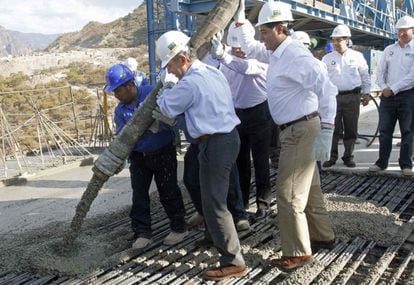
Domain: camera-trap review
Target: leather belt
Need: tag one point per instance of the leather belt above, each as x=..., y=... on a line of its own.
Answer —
x=356, y=90
x=304, y=118
x=409, y=91
x=204, y=138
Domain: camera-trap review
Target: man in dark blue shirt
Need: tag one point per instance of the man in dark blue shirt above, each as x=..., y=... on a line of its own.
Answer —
x=153, y=155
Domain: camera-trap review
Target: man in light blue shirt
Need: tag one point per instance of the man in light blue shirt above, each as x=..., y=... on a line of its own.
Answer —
x=203, y=95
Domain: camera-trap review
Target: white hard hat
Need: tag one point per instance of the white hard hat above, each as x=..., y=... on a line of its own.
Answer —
x=131, y=63
x=405, y=22
x=233, y=34
x=274, y=12
x=341, y=31
x=170, y=44
x=301, y=37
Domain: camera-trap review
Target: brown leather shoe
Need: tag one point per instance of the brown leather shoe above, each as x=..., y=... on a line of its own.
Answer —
x=224, y=272
x=291, y=262
x=317, y=244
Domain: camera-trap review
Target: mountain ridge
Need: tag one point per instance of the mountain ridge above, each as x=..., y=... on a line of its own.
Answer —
x=10, y=45
x=125, y=32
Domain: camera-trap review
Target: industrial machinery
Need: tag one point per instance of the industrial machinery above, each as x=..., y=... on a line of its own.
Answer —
x=371, y=21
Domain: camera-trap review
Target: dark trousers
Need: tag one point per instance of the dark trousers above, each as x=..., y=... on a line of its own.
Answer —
x=163, y=166
x=399, y=107
x=216, y=158
x=347, y=115
x=191, y=181
x=255, y=134
x=274, y=150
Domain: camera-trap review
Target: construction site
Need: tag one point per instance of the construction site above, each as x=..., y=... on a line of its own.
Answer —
x=59, y=187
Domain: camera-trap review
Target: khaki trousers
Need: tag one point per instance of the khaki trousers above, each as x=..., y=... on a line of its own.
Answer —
x=302, y=214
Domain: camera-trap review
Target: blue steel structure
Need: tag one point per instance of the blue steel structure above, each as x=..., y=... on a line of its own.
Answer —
x=371, y=21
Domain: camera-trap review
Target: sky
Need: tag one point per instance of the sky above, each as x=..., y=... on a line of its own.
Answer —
x=60, y=16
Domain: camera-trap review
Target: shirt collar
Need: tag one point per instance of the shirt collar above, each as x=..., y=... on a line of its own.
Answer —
x=410, y=44
x=281, y=48
x=195, y=65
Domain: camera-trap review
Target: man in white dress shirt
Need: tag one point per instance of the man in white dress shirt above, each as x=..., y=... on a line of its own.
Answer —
x=203, y=95
x=395, y=76
x=302, y=102
x=348, y=70
x=247, y=80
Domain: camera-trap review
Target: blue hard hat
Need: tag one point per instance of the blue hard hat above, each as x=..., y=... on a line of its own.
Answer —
x=329, y=47
x=116, y=76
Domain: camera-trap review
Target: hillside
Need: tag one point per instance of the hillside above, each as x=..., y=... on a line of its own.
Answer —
x=35, y=40
x=128, y=31
x=10, y=45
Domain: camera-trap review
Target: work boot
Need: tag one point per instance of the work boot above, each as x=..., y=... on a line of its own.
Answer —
x=224, y=272
x=243, y=225
x=289, y=263
x=174, y=238
x=328, y=163
x=141, y=243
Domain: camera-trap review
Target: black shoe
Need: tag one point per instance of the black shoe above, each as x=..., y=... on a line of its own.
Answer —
x=350, y=163
x=260, y=214
x=204, y=243
x=328, y=163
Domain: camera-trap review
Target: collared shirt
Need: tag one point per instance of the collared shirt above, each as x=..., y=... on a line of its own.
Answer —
x=348, y=70
x=396, y=67
x=297, y=83
x=149, y=141
x=247, y=79
x=204, y=96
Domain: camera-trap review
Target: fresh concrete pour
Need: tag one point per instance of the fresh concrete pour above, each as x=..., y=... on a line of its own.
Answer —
x=113, y=157
x=35, y=250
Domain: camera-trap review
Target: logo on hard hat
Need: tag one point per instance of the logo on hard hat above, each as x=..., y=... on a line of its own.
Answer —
x=172, y=46
x=275, y=14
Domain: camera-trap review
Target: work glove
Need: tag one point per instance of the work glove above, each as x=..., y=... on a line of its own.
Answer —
x=168, y=79
x=120, y=168
x=240, y=16
x=217, y=48
x=155, y=127
x=365, y=99
x=323, y=142
x=157, y=115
